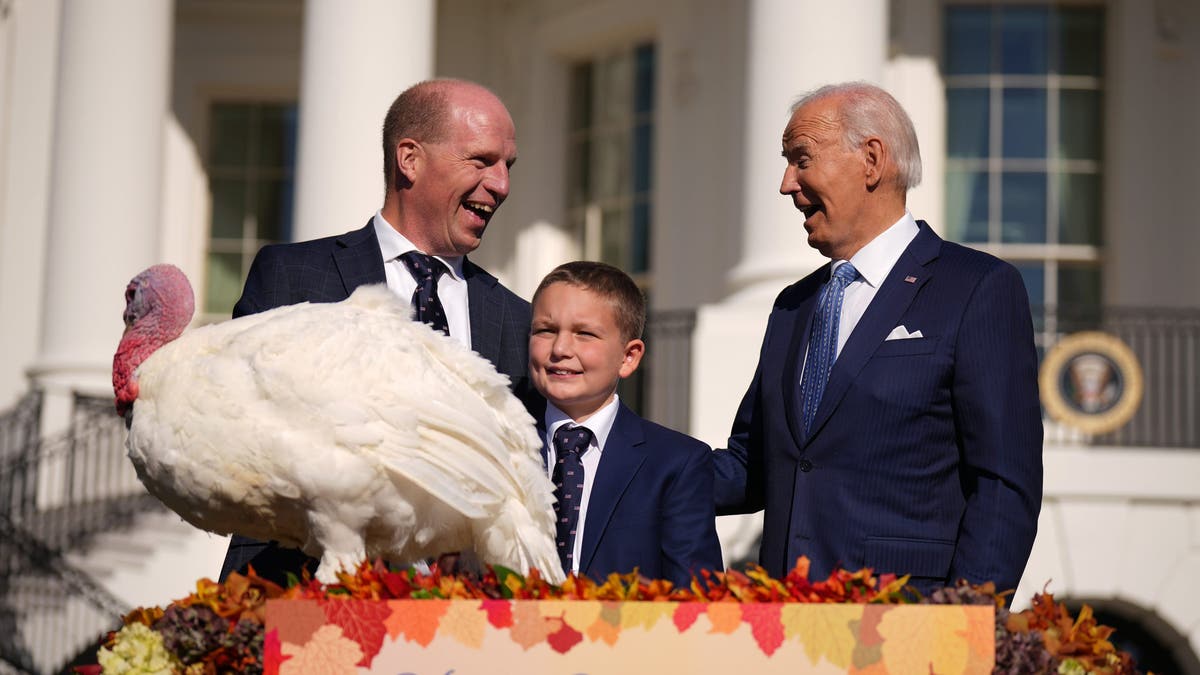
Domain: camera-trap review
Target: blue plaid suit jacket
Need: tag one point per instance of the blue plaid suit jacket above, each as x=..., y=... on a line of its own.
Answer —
x=328, y=270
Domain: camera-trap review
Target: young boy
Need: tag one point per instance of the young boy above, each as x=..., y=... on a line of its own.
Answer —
x=630, y=493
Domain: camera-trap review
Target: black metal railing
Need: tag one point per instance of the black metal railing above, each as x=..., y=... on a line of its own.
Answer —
x=668, y=366
x=51, y=605
x=18, y=434
x=1166, y=343
x=70, y=486
x=55, y=494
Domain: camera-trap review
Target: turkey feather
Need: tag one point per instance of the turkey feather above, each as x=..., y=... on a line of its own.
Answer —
x=345, y=429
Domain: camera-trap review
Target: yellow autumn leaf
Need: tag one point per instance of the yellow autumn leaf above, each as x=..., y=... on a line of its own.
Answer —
x=580, y=614
x=645, y=614
x=924, y=639
x=464, y=622
x=824, y=630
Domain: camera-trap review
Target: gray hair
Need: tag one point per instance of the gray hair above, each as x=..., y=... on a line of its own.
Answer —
x=866, y=111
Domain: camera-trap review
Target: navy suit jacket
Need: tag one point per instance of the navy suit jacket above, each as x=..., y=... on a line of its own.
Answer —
x=925, y=454
x=328, y=270
x=651, y=505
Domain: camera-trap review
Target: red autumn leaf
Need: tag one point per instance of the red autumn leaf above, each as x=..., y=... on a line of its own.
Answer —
x=765, y=625
x=396, y=584
x=296, y=620
x=361, y=621
x=499, y=613
x=273, y=656
x=686, y=614
x=564, y=638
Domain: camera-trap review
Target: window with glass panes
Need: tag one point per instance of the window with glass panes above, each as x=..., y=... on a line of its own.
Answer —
x=1024, y=105
x=251, y=161
x=611, y=135
x=610, y=169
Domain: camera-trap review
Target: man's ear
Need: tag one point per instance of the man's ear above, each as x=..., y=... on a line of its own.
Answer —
x=875, y=157
x=634, y=349
x=408, y=157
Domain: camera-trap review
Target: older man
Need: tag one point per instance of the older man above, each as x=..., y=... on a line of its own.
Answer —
x=893, y=421
x=448, y=146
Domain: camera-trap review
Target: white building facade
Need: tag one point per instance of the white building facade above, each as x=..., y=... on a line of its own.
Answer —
x=1058, y=135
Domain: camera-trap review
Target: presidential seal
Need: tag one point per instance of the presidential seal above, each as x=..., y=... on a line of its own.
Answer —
x=1091, y=381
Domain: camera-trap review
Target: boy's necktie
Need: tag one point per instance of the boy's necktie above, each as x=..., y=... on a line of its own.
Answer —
x=427, y=308
x=822, y=349
x=569, y=446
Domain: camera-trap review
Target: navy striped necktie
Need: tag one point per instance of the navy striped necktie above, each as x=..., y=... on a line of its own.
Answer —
x=822, y=348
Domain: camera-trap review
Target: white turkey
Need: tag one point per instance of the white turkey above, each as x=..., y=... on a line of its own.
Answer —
x=344, y=429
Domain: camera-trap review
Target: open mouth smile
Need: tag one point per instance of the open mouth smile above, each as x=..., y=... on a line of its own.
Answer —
x=482, y=211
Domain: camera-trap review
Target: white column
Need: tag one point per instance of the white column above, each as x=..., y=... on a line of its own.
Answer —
x=794, y=46
x=112, y=92
x=357, y=57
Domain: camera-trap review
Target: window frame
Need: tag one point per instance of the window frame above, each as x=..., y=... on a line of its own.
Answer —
x=1052, y=255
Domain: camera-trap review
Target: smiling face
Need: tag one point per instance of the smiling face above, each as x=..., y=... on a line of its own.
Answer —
x=577, y=353
x=457, y=182
x=830, y=183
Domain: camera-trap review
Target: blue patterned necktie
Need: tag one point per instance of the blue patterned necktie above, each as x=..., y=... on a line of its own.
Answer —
x=569, y=446
x=822, y=349
x=427, y=308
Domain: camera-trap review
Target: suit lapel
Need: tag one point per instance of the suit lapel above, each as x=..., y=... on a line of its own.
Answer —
x=358, y=259
x=882, y=315
x=796, y=345
x=623, y=455
x=486, y=311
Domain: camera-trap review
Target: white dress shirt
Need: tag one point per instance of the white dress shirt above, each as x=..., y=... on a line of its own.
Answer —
x=452, y=286
x=600, y=424
x=874, y=262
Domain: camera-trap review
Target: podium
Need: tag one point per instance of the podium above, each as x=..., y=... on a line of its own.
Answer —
x=570, y=637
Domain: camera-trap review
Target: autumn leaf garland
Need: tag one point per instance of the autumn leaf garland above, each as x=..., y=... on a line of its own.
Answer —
x=233, y=613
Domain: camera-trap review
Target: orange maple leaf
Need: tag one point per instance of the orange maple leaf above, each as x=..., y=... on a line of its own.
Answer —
x=724, y=616
x=980, y=636
x=416, y=620
x=529, y=627
x=607, y=626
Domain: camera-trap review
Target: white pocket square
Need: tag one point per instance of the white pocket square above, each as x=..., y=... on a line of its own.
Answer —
x=901, y=333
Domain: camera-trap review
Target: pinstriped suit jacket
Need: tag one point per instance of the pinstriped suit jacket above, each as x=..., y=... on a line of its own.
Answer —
x=328, y=270
x=925, y=454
